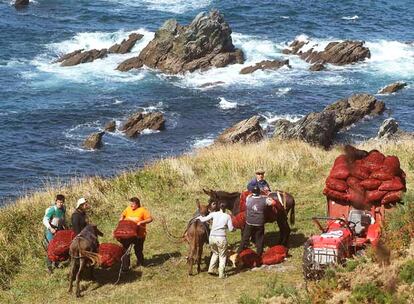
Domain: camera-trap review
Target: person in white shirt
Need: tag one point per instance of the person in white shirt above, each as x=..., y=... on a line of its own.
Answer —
x=217, y=240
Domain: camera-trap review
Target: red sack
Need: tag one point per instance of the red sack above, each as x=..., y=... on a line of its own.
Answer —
x=250, y=258
x=340, y=160
x=370, y=184
x=58, y=248
x=336, y=184
x=392, y=197
x=274, y=255
x=355, y=196
x=340, y=172
x=126, y=230
x=374, y=196
x=243, y=197
x=394, y=184
x=381, y=175
x=239, y=220
x=359, y=171
x=355, y=184
x=391, y=165
x=374, y=160
x=110, y=254
x=335, y=195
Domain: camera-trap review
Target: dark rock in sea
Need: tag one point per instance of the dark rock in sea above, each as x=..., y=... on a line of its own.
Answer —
x=265, y=65
x=314, y=128
x=126, y=45
x=140, y=121
x=389, y=130
x=110, y=126
x=392, y=88
x=337, y=53
x=129, y=64
x=94, y=141
x=21, y=3
x=352, y=109
x=245, y=131
x=321, y=128
x=317, y=67
x=80, y=56
x=203, y=44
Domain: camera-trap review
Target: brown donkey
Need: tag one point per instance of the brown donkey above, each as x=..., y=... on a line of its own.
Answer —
x=83, y=252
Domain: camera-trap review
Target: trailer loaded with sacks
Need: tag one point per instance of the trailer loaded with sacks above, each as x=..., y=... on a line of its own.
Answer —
x=361, y=189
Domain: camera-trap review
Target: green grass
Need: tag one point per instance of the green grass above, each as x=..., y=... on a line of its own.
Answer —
x=169, y=188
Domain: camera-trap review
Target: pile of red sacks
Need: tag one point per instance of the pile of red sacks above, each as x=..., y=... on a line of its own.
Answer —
x=110, y=254
x=126, y=230
x=370, y=179
x=58, y=248
x=273, y=255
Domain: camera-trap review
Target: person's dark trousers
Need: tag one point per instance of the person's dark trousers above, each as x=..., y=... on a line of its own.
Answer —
x=257, y=232
x=138, y=244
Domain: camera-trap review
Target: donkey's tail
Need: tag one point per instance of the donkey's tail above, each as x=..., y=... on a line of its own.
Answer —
x=92, y=256
x=170, y=236
x=292, y=213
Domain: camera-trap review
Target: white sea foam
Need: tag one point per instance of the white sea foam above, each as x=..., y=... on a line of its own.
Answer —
x=171, y=6
x=149, y=131
x=202, y=143
x=355, y=17
x=157, y=107
x=271, y=118
x=226, y=105
x=283, y=91
x=285, y=17
x=118, y=101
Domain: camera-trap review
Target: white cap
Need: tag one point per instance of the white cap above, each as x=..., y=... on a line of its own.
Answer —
x=80, y=202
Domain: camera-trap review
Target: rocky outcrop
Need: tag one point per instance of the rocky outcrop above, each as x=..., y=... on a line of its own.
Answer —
x=314, y=128
x=110, y=126
x=94, y=141
x=265, y=65
x=390, y=130
x=21, y=3
x=126, y=45
x=317, y=67
x=81, y=56
x=206, y=42
x=246, y=131
x=392, y=88
x=140, y=121
x=321, y=128
x=353, y=109
x=337, y=53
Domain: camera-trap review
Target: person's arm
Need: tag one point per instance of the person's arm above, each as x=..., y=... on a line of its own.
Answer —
x=267, y=185
x=205, y=218
x=230, y=224
x=46, y=219
x=147, y=218
x=123, y=215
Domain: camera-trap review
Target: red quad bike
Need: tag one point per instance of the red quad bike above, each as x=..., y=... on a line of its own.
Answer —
x=348, y=232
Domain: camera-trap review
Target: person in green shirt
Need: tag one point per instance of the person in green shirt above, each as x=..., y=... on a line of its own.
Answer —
x=54, y=220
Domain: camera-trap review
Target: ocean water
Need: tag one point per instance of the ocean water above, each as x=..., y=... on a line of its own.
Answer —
x=46, y=111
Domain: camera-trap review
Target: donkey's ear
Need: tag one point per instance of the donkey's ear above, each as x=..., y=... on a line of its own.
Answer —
x=198, y=203
x=208, y=192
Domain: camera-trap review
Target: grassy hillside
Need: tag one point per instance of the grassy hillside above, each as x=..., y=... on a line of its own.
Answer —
x=169, y=188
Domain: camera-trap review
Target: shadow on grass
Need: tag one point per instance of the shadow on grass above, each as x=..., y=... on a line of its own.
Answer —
x=295, y=240
x=159, y=259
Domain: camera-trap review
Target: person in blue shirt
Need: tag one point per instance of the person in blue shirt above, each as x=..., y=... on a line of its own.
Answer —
x=259, y=181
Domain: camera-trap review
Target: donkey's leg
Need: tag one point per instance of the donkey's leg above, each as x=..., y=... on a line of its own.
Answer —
x=199, y=254
x=73, y=264
x=82, y=263
x=284, y=228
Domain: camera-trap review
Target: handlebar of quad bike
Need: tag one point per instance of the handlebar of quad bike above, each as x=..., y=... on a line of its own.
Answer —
x=327, y=218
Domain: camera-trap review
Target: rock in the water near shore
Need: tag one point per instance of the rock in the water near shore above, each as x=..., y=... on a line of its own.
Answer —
x=265, y=65
x=141, y=121
x=129, y=64
x=317, y=67
x=94, y=141
x=203, y=44
x=388, y=128
x=392, y=88
x=110, y=126
x=21, y=3
x=321, y=128
x=126, y=45
x=80, y=56
x=337, y=53
x=314, y=128
x=246, y=131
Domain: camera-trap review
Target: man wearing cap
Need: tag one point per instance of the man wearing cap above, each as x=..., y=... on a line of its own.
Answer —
x=259, y=181
x=141, y=216
x=79, y=217
x=255, y=207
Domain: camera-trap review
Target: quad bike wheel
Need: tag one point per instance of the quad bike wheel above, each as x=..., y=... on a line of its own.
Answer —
x=311, y=270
